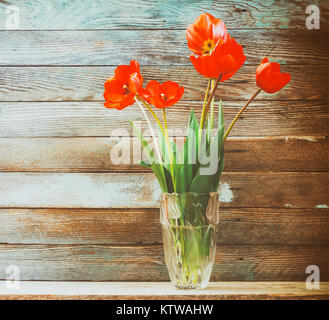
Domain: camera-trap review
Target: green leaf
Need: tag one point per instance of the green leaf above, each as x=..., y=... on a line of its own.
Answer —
x=157, y=168
x=145, y=145
x=207, y=238
x=180, y=180
x=175, y=152
x=196, y=250
x=203, y=183
x=191, y=148
x=216, y=178
x=146, y=165
x=220, y=115
x=166, y=153
x=164, y=149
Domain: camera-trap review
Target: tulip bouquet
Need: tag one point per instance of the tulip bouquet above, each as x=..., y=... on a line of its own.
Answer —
x=189, y=176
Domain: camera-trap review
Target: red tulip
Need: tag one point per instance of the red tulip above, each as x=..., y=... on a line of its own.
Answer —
x=121, y=89
x=269, y=78
x=225, y=59
x=162, y=95
x=207, y=37
x=204, y=33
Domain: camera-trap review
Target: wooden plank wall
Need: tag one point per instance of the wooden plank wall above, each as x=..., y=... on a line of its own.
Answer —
x=68, y=213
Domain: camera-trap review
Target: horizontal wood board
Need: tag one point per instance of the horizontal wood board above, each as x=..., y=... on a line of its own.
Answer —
x=148, y=14
x=125, y=263
x=141, y=190
x=53, y=83
x=91, y=119
x=98, y=154
x=238, y=226
x=49, y=290
x=105, y=47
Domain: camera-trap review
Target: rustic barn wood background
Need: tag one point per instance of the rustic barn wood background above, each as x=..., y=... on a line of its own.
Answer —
x=68, y=213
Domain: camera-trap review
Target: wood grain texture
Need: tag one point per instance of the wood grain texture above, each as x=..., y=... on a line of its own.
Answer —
x=141, y=226
x=46, y=290
x=157, y=47
x=152, y=14
x=141, y=190
x=146, y=263
x=87, y=83
x=74, y=119
x=77, y=216
x=94, y=154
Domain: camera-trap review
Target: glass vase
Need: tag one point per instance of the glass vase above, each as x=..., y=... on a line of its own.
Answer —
x=189, y=230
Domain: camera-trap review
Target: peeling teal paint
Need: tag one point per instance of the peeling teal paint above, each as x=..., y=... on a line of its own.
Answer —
x=321, y=206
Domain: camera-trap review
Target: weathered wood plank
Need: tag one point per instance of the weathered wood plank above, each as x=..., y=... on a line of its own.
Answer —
x=277, y=154
x=152, y=14
x=94, y=154
x=87, y=83
x=62, y=119
x=50, y=290
x=146, y=263
x=142, y=226
x=141, y=190
x=157, y=47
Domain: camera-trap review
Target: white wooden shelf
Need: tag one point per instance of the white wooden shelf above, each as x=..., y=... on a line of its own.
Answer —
x=161, y=290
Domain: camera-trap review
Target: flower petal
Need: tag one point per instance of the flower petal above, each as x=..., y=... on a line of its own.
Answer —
x=219, y=31
x=144, y=93
x=178, y=96
x=157, y=101
x=112, y=105
x=229, y=56
x=134, y=65
x=153, y=87
x=135, y=81
x=114, y=91
x=206, y=65
x=122, y=73
x=127, y=101
x=170, y=89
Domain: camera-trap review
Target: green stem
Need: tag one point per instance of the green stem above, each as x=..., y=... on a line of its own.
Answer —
x=152, y=131
x=212, y=106
x=153, y=114
x=204, y=104
x=240, y=112
x=165, y=134
x=169, y=148
x=206, y=108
